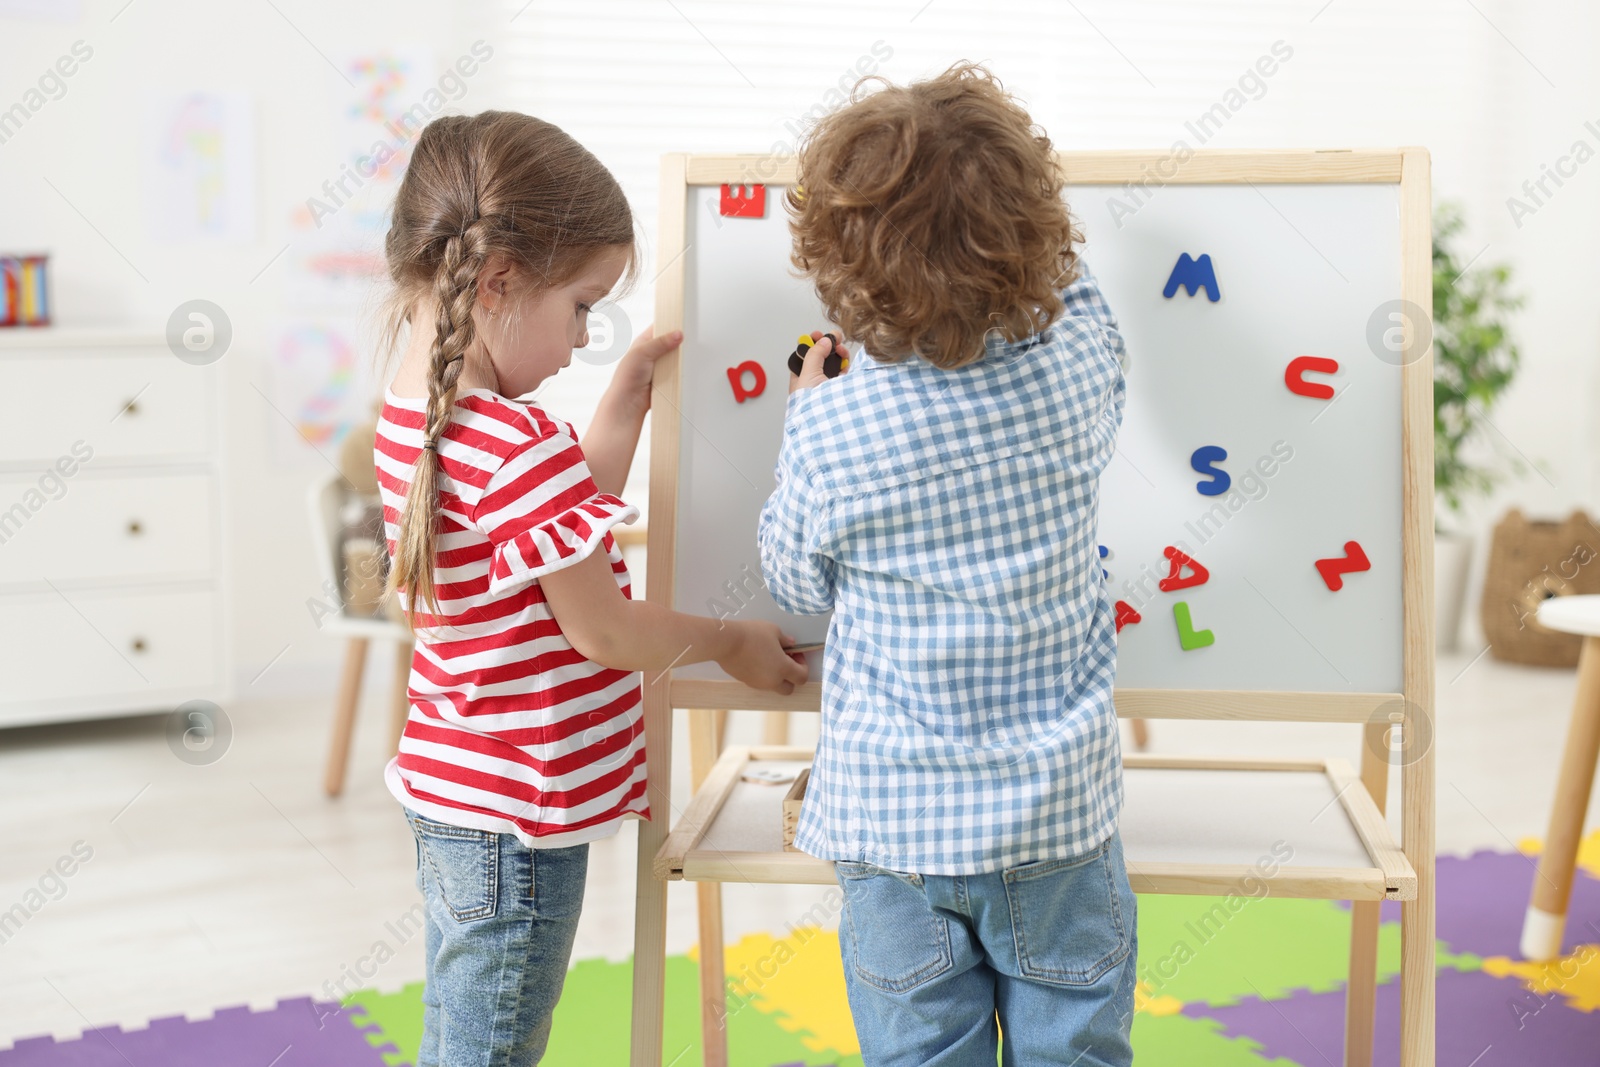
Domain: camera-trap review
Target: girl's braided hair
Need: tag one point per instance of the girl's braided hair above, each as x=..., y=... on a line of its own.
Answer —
x=498, y=183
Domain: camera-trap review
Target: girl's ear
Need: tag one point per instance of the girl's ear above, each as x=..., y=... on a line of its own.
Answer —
x=494, y=281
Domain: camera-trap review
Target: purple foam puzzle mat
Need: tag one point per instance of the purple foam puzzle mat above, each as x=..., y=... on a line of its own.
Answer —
x=296, y=1033
x=1492, y=1022
x=1478, y=909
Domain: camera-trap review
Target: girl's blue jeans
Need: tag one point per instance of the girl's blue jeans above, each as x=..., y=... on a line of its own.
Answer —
x=501, y=918
x=937, y=966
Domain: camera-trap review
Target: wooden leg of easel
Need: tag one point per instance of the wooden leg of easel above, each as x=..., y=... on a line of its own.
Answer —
x=402, y=702
x=1141, y=734
x=721, y=737
x=703, y=751
x=1417, y=918
x=713, y=976
x=650, y=895
x=1418, y=774
x=776, y=731
x=1361, y=993
x=1545, y=923
x=344, y=715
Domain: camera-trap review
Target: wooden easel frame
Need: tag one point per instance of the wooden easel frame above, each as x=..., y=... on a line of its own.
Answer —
x=1403, y=871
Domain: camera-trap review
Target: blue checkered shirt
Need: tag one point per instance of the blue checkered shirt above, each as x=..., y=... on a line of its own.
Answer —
x=948, y=518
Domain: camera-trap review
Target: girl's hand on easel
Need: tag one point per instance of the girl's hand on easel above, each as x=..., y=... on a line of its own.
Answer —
x=812, y=372
x=637, y=368
x=758, y=660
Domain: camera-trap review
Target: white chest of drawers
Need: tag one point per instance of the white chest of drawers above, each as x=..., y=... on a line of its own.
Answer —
x=111, y=546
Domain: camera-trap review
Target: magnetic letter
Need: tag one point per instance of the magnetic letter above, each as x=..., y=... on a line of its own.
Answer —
x=736, y=379
x=1193, y=274
x=1176, y=579
x=1332, y=570
x=1204, y=461
x=1294, y=376
x=1189, y=638
x=737, y=203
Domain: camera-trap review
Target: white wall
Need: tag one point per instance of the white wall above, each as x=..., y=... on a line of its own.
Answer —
x=1550, y=414
x=87, y=143
x=1494, y=89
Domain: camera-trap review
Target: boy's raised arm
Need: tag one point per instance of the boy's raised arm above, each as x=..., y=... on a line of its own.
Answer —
x=798, y=576
x=1084, y=300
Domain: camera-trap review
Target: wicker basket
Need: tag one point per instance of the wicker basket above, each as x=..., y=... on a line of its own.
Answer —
x=1529, y=562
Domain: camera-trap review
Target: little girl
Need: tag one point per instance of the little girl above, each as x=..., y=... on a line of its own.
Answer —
x=525, y=740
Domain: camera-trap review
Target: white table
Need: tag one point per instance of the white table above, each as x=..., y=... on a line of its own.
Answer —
x=1547, y=910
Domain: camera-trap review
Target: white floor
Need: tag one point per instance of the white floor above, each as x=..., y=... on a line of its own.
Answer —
x=239, y=882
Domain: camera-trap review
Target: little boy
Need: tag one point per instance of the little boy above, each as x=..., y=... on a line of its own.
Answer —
x=941, y=497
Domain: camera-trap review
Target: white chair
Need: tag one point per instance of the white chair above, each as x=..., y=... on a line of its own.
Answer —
x=325, y=499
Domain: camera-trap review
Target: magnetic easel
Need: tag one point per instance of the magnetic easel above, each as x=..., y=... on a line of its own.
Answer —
x=731, y=830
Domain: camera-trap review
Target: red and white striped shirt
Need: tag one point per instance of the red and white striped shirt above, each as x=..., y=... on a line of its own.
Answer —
x=511, y=729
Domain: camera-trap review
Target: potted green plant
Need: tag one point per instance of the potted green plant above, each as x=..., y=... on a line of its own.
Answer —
x=1474, y=360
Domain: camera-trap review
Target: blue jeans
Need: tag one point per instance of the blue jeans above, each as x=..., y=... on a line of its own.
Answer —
x=1046, y=950
x=501, y=918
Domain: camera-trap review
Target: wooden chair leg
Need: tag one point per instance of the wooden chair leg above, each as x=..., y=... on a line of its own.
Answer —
x=704, y=747
x=650, y=897
x=344, y=715
x=1141, y=734
x=1361, y=992
x=776, y=731
x=402, y=702
x=1546, y=919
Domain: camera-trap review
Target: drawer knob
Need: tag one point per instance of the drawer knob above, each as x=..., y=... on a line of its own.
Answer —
x=135, y=528
x=138, y=644
x=131, y=408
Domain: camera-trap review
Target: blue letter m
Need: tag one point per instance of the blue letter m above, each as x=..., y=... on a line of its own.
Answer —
x=1192, y=274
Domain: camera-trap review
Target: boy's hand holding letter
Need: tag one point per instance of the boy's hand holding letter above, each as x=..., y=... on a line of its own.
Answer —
x=812, y=370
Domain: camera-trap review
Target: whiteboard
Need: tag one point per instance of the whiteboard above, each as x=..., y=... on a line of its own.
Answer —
x=1301, y=270
x=742, y=301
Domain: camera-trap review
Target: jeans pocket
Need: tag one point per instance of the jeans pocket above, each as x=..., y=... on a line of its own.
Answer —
x=1071, y=918
x=461, y=865
x=897, y=942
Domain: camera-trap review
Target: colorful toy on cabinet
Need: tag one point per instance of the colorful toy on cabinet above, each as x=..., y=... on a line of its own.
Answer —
x=24, y=290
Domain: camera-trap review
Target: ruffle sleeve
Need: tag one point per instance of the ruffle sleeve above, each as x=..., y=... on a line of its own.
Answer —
x=542, y=512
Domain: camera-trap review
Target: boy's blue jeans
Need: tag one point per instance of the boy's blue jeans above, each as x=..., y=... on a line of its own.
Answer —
x=1047, y=950
x=501, y=918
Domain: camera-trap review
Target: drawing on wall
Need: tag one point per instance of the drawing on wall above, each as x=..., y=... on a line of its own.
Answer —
x=339, y=265
x=199, y=167
x=335, y=257
x=321, y=386
x=334, y=272
x=391, y=84
x=374, y=133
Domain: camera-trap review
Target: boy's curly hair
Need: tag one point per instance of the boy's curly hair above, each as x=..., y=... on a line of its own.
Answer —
x=930, y=214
